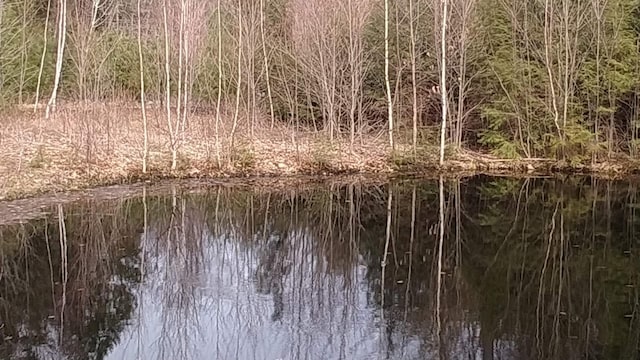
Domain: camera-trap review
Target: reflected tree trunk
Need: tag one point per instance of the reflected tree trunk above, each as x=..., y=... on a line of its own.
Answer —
x=64, y=267
x=411, y=239
x=143, y=257
x=439, y=273
x=384, y=262
x=540, y=308
x=145, y=151
x=487, y=343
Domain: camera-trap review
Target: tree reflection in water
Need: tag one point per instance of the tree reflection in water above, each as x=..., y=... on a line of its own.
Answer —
x=529, y=268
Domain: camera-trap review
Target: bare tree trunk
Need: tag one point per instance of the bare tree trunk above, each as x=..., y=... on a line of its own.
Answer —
x=44, y=53
x=466, y=9
x=1, y=18
x=386, y=72
x=357, y=12
x=145, y=151
x=188, y=64
x=250, y=52
x=181, y=41
x=547, y=44
x=62, y=37
x=219, y=99
x=167, y=90
x=23, y=51
x=414, y=87
x=239, y=79
x=565, y=104
x=443, y=76
x=352, y=64
x=596, y=123
x=266, y=63
x=462, y=79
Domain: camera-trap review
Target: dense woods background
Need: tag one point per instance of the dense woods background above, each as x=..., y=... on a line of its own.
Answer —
x=541, y=78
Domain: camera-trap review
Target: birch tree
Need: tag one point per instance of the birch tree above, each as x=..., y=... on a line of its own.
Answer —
x=387, y=80
x=236, y=110
x=220, y=75
x=414, y=87
x=62, y=38
x=462, y=35
x=189, y=17
x=266, y=62
x=357, y=15
x=443, y=75
x=42, y=57
x=167, y=84
x=82, y=41
x=145, y=134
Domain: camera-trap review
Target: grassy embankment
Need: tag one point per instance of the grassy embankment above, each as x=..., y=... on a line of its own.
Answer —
x=97, y=145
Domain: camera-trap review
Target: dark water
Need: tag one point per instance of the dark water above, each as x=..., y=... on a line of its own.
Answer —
x=530, y=269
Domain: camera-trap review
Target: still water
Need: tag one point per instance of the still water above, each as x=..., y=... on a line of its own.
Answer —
x=524, y=269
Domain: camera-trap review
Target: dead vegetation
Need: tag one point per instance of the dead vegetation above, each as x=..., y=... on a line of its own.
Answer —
x=89, y=145
x=85, y=145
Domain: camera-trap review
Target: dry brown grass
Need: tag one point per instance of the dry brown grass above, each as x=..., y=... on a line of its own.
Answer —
x=89, y=145
x=86, y=145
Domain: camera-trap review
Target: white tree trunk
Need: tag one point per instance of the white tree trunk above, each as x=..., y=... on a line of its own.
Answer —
x=145, y=151
x=386, y=72
x=167, y=75
x=219, y=99
x=266, y=63
x=440, y=249
x=62, y=38
x=443, y=76
x=237, y=108
x=414, y=105
x=548, y=37
x=44, y=53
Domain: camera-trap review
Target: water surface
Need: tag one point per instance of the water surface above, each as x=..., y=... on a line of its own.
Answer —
x=529, y=269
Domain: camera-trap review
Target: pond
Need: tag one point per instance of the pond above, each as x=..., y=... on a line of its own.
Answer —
x=535, y=268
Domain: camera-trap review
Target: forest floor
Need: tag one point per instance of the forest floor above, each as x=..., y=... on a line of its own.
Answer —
x=81, y=147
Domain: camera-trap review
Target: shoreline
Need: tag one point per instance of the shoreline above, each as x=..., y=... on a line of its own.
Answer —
x=34, y=204
x=76, y=179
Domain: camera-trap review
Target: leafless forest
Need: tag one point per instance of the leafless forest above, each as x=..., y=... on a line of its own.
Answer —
x=284, y=85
